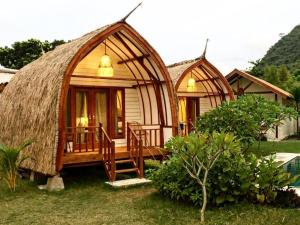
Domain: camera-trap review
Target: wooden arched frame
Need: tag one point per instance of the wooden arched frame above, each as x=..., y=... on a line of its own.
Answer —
x=214, y=77
x=85, y=50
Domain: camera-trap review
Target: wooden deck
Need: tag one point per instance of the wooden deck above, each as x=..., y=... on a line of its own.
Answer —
x=92, y=157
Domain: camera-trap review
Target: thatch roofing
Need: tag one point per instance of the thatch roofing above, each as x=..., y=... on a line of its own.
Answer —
x=232, y=76
x=209, y=74
x=176, y=69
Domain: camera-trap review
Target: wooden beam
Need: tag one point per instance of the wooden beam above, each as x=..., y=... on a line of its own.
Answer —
x=111, y=78
x=208, y=79
x=259, y=92
x=155, y=84
x=118, y=37
x=134, y=59
x=248, y=85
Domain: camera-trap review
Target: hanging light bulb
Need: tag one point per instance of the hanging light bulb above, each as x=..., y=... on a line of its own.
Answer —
x=105, y=67
x=191, y=84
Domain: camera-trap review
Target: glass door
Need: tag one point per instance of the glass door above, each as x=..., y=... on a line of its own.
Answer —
x=100, y=110
x=82, y=118
x=87, y=107
x=193, y=111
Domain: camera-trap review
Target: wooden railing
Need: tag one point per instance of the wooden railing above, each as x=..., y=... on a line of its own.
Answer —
x=81, y=139
x=107, y=148
x=135, y=148
x=151, y=135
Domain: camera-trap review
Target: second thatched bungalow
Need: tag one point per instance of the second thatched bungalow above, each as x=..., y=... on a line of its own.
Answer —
x=199, y=87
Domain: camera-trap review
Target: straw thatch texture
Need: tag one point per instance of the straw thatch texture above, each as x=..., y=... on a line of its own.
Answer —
x=29, y=105
x=176, y=69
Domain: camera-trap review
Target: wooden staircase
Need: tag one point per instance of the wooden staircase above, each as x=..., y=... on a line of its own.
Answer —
x=135, y=158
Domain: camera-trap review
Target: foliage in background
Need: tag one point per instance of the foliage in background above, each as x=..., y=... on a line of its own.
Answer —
x=10, y=161
x=23, y=52
x=198, y=154
x=281, y=64
x=248, y=118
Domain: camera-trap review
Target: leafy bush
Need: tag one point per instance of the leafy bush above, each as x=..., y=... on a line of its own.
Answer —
x=270, y=179
x=248, y=118
x=10, y=161
x=234, y=178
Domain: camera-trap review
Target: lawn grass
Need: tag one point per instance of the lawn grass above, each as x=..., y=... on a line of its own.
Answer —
x=87, y=200
x=269, y=147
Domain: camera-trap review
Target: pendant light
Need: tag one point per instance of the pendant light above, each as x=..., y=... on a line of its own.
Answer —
x=105, y=67
x=191, y=84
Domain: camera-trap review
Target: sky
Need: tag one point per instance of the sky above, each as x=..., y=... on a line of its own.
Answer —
x=239, y=31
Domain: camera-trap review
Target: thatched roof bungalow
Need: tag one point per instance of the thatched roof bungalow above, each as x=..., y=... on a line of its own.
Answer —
x=200, y=87
x=77, y=110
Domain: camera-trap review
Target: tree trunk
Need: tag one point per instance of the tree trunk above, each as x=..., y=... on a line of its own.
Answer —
x=204, y=203
x=202, y=211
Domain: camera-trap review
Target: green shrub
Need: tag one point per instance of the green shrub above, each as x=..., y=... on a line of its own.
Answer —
x=248, y=118
x=10, y=161
x=172, y=180
x=271, y=179
x=234, y=178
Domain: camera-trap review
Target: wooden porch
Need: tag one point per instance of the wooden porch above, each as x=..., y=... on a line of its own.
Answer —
x=91, y=157
x=92, y=145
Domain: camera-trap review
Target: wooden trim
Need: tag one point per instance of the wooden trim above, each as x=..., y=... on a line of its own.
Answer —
x=259, y=92
x=164, y=72
x=118, y=38
x=208, y=79
x=110, y=78
x=132, y=72
x=259, y=81
x=248, y=85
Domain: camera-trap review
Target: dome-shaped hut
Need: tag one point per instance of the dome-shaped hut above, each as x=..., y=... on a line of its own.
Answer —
x=102, y=97
x=199, y=87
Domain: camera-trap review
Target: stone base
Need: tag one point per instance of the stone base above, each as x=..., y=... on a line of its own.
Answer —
x=55, y=183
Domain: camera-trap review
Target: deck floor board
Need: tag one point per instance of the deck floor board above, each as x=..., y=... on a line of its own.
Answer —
x=95, y=156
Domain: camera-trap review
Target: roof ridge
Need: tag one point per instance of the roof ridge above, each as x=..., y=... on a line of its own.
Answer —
x=183, y=62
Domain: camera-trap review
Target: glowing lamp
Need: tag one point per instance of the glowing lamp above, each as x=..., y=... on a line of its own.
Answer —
x=191, y=84
x=105, y=67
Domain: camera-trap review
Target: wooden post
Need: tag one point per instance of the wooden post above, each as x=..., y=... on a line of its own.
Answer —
x=100, y=139
x=128, y=137
x=113, y=162
x=161, y=133
x=141, y=159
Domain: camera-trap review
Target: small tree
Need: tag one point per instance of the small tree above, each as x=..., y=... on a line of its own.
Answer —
x=10, y=161
x=199, y=153
x=248, y=118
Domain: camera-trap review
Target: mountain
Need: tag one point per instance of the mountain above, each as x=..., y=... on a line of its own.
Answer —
x=285, y=52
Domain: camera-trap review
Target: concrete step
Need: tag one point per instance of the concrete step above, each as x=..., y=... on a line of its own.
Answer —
x=128, y=182
x=127, y=170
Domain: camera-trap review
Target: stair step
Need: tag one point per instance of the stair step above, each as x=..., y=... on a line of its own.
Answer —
x=124, y=161
x=127, y=170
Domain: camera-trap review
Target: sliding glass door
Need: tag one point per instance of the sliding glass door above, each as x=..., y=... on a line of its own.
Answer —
x=88, y=107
